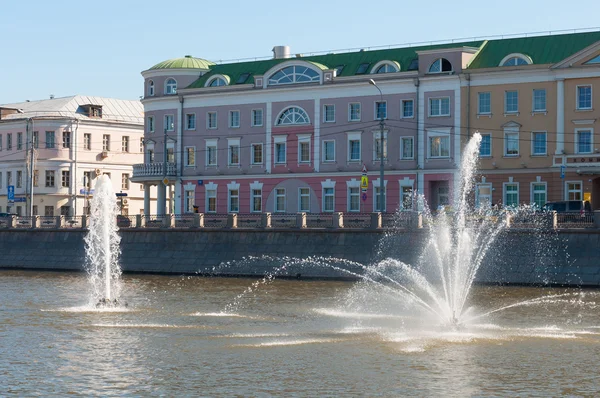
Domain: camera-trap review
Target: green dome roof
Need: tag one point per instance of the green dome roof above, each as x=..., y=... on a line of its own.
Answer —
x=187, y=62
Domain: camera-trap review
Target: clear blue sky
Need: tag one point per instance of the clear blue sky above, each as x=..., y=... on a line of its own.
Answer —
x=99, y=48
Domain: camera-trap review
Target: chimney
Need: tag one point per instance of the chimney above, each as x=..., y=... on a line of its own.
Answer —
x=281, y=52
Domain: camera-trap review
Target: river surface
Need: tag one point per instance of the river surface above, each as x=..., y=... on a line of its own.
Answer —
x=192, y=336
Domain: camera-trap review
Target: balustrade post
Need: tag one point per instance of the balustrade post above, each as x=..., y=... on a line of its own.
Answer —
x=232, y=220
x=555, y=220
x=376, y=220
x=83, y=221
x=338, y=220
x=417, y=220
x=141, y=221
x=60, y=221
x=301, y=220
x=265, y=220
x=12, y=222
x=508, y=220
x=169, y=221
x=35, y=222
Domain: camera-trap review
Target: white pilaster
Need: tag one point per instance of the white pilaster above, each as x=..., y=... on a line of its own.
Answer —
x=457, y=143
x=317, y=124
x=560, y=116
x=421, y=140
x=268, y=143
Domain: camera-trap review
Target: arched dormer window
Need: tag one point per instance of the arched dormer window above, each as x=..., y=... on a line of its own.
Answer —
x=171, y=86
x=292, y=116
x=217, y=81
x=515, y=60
x=386, y=67
x=440, y=65
x=294, y=74
x=151, y=88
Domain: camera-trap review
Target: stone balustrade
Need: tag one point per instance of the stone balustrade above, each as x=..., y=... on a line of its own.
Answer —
x=155, y=169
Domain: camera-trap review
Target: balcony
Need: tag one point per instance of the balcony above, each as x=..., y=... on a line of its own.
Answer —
x=155, y=169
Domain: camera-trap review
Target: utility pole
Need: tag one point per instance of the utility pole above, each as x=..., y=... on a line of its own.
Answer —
x=381, y=159
x=31, y=162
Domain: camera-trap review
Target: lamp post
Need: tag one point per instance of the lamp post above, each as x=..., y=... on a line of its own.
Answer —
x=381, y=125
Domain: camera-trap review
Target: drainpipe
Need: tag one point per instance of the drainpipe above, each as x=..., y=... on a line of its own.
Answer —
x=178, y=184
x=468, y=79
x=31, y=162
x=74, y=176
x=416, y=82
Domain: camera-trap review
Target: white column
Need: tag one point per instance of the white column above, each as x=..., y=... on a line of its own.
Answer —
x=268, y=139
x=146, y=199
x=317, y=124
x=560, y=116
x=161, y=197
x=457, y=143
x=421, y=139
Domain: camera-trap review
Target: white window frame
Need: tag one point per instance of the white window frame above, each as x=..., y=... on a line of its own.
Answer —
x=569, y=191
x=506, y=110
x=377, y=136
x=277, y=141
x=578, y=107
x=213, y=143
x=352, y=184
x=151, y=124
x=533, y=192
x=354, y=136
x=508, y=131
x=479, y=111
x=169, y=126
x=324, y=210
x=262, y=153
x=376, y=187
x=256, y=186
x=189, y=198
x=279, y=194
x=325, y=160
x=478, y=195
x=300, y=195
x=350, y=119
x=533, y=134
x=170, y=88
x=491, y=145
x=304, y=139
x=254, y=114
x=151, y=88
x=232, y=124
x=405, y=183
x=189, y=117
x=504, y=192
x=439, y=106
x=87, y=141
x=327, y=107
x=402, y=114
x=412, y=146
x=576, y=144
x=125, y=144
x=533, y=108
x=208, y=193
x=231, y=187
x=187, y=159
x=211, y=116
x=385, y=116
x=233, y=143
x=438, y=133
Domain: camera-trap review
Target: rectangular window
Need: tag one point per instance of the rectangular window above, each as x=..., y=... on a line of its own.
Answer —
x=87, y=179
x=19, y=141
x=280, y=200
x=9, y=142
x=539, y=100
x=354, y=112
x=151, y=124
x=234, y=153
x=380, y=110
x=0, y=179
x=66, y=139
x=211, y=153
x=211, y=200
x=169, y=123
x=377, y=198
x=584, y=97
x=171, y=155
x=511, y=102
x=190, y=156
x=511, y=194
x=234, y=200
x=256, y=200
x=439, y=106
x=125, y=144
x=304, y=203
x=354, y=149
x=49, y=139
x=280, y=152
x=439, y=146
x=211, y=120
x=377, y=147
x=257, y=153
x=538, y=194
x=234, y=119
x=484, y=103
x=87, y=141
x=141, y=144
x=257, y=117
x=483, y=195
x=406, y=197
x=65, y=178
x=19, y=179
x=150, y=155
x=304, y=150
x=511, y=143
x=189, y=201
x=106, y=142
x=574, y=190
x=36, y=139
x=65, y=211
x=354, y=199
x=124, y=181
x=584, y=141
x=49, y=211
x=539, y=143
x=190, y=121
x=329, y=151
x=328, y=200
x=408, y=110
x=406, y=144
x=329, y=111
x=49, y=178
x=35, y=210
x=9, y=180
x=485, y=147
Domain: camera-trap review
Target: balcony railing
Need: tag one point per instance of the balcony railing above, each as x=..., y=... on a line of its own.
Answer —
x=154, y=169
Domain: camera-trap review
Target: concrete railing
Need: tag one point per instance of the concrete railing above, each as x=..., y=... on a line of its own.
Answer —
x=155, y=169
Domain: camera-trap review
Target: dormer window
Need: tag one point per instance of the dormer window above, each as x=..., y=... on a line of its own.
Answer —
x=362, y=68
x=171, y=86
x=294, y=74
x=95, y=111
x=595, y=60
x=151, y=88
x=386, y=67
x=516, y=60
x=217, y=82
x=440, y=65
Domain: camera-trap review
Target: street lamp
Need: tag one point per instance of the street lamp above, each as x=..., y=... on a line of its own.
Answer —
x=381, y=125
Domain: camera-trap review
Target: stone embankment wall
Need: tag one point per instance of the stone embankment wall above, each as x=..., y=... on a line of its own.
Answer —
x=520, y=257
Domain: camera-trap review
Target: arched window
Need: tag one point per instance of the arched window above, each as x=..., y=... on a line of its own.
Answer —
x=386, y=67
x=440, y=65
x=217, y=82
x=294, y=74
x=151, y=88
x=171, y=86
x=515, y=60
x=292, y=115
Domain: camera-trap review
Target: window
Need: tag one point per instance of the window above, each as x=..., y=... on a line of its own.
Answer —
x=49, y=178
x=439, y=106
x=9, y=142
x=354, y=112
x=574, y=191
x=234, y=119
x=304, y=202
x=538, y=194
x=217, y=82
x=485, y=147
x=234, y=200
x=19, y=179
x=511, y=142
x=329, y=151
x=9, y=180
x=354, y=199
x=595, y=60
x=280, y=152
x=66, y=143
x=386, y=68
x=36, y=139
x=511, y=194
x=257, y=153
x=87, y=179
x=234, y=152
x=35, y=210
x=211, y=152
x=484, y=103
x=169, y=123
x=406, y=197
x=141, y=144
x=171, y=86
x=170, y=154
x=329, y=111
x=242, y=78
x=340, y=68
x=515, y=61
x=211, y=120
x=293, y=74
x=256, y=201
x=584, y=97
x=583, y=141
x=0, y=179
x=539, y=143
x=125, y=144
x=20, y=141
x=211, y=200
x=190, y=199
x=377, y=197
x=362, y=68
x=406, y=146
x=304, y=151
x=151, y=124
x=49, y=139
x=150, y=88
x=378, y=146
x=106, y=142
x=539, y=100
x=150, y=155
x=190, y=121
x=440, y=65
x=380, y=110
x=483, y=195
x=511, y=101
x=328, y=200
x=66, y=178
x=87, y=141
x=439, y=145
x=280, y=200
x=49, y=211
x=354, y=147
x=257, y=117
x=190, y=156
x=291, y=116
x=124, y=181
x=408, y=110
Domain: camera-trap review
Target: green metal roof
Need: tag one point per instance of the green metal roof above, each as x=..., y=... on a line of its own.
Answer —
x=187, y=62
x=541, y=49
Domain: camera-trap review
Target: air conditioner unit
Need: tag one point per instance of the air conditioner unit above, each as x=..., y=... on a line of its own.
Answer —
x=104, y=154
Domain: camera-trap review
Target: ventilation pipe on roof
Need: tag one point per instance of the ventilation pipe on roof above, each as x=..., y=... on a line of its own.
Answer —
x=281, y=52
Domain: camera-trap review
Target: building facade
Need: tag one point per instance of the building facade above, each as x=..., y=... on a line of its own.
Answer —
x=293, y=134
x=53, y=150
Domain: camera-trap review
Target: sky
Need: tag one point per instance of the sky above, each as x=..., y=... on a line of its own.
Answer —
x=65, y=47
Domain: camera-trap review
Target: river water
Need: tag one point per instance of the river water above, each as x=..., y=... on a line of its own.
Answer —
x=192, y=336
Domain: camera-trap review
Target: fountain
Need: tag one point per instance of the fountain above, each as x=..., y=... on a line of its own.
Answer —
x=102, y=246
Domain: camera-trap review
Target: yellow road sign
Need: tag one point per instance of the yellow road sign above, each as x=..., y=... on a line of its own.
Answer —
x=165, y=181
x=364, y=182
